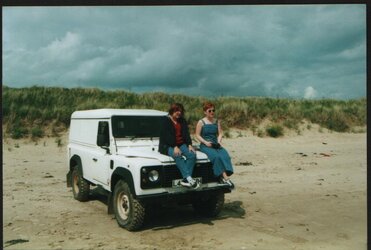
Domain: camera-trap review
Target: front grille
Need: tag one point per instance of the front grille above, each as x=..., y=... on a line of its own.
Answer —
x=203, y=170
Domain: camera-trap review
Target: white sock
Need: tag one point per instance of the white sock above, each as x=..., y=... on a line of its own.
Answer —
x=189, y=179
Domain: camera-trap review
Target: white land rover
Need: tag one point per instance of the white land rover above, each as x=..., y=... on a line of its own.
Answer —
x=117, y=149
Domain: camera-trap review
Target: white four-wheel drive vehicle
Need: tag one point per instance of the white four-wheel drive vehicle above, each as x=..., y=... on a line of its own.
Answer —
x=117, y=149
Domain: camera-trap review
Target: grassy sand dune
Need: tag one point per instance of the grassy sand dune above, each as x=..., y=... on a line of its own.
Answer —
x=39, y=111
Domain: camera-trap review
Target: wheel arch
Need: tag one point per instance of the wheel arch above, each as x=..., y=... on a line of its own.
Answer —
x=124, y=174
x=75, y=161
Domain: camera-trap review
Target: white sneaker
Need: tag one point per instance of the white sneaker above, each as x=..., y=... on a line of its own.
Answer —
x=227, y=182
x=185, y=183
x=191, y=183
x=194, y=184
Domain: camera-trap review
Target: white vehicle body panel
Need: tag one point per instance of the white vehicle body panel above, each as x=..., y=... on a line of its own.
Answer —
x=131, y=154
x=108, y=113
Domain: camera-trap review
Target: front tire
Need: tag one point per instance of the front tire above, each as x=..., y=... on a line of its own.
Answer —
x=129, y=212
x=80, y=186
x=209, y=204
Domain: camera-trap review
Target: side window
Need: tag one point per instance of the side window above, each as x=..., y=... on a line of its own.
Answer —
x=103, y=134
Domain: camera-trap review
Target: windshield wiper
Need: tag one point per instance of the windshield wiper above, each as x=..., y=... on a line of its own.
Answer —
x=133, y=137
x=143, y=135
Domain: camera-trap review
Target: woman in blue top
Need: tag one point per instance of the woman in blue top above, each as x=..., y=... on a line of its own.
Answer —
x=209, y=133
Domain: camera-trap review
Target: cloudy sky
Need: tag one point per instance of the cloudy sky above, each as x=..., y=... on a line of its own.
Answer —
x=295, y=51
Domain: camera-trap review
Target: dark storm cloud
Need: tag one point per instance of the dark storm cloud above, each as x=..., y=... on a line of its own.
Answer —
x=309, y=51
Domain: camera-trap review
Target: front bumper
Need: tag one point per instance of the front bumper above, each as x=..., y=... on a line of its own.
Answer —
x=184, y=194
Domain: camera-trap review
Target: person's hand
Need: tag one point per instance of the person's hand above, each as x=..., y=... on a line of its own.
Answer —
x=208, y=144
x=191, y=149
x=177, y=151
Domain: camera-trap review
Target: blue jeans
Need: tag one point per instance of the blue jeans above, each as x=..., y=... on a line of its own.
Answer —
x=186, y=165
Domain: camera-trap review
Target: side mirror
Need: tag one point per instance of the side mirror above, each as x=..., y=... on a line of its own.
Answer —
x=102, y=140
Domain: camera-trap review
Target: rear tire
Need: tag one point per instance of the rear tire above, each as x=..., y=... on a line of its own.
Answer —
x=129, y=212
x=209, y=204
x=80, y=187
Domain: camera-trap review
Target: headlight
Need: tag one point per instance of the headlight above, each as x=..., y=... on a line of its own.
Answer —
x=150, y=177
x=153, y=175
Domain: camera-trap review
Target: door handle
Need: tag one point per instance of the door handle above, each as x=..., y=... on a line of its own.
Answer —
x=95, y=159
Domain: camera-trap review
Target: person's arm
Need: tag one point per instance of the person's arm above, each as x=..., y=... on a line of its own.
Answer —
x=165, y=131
x=198, y=134
x=166, y=135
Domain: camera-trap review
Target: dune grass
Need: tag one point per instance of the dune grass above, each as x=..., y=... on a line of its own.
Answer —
x=29, y=111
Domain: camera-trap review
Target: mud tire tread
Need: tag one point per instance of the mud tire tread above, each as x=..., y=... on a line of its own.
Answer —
x=137, y=210
x=83, y=185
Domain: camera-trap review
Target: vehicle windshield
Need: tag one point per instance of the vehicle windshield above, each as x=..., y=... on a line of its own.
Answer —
x=136, y=126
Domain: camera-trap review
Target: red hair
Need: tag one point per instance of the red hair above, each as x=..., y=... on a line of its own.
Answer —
x=208, y=105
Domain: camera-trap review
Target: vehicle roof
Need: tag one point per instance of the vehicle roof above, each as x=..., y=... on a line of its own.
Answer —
x=108, y=113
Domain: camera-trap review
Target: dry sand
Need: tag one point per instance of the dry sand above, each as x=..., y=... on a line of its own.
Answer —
x=297, y=192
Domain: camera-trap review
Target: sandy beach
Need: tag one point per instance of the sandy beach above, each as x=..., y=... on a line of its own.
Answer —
x=303, y=191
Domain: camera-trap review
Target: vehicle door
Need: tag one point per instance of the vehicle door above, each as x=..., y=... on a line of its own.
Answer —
x=101, y=159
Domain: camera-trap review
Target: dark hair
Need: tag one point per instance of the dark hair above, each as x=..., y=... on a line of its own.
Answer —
x=176, y=107
x=208, y=105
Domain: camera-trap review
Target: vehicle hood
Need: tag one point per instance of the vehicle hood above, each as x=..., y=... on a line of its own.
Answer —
x=136, y=152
